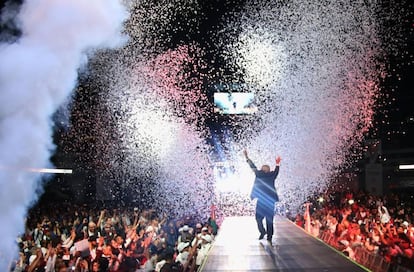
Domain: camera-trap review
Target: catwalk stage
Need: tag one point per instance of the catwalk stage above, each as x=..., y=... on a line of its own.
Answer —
x=237, y=248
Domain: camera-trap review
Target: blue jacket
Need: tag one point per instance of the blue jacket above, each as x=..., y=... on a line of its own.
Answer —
x=264, y=185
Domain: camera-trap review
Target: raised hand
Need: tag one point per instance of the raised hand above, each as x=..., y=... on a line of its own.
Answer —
x=278, y=160
x=245, y=153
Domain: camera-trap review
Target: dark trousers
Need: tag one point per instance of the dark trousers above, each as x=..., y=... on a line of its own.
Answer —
x=265, y=210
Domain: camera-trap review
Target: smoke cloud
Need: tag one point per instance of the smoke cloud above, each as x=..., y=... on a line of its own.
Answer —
x=37, y=73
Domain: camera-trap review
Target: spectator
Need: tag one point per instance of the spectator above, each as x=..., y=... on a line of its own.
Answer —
x=183, y=253
x=186, y=234
x=384, y=216
x=120, y=240
x=204, y=248
x=170, y=265
x=363, y=221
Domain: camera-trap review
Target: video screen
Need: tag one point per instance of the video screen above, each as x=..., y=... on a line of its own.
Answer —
x=234, y=103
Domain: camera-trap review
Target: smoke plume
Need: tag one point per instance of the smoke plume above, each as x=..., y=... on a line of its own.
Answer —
x=37, y=73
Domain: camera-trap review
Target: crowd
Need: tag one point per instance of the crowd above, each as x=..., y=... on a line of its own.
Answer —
x=68, y=237
x=62, y=238
x=380, y=225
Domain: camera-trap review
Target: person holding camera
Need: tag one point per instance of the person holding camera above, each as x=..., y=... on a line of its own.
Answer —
x=265, y=192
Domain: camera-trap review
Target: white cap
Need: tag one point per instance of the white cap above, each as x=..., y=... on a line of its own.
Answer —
x=344, y=242
x=207, y=238
x=31, y=259
x=182, y=246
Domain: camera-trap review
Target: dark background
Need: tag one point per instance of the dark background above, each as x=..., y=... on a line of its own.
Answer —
x=393, y=124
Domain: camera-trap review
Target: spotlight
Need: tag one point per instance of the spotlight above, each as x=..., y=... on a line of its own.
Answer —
x=406, y=167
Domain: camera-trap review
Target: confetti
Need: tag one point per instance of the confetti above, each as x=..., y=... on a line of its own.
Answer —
x=315, y=69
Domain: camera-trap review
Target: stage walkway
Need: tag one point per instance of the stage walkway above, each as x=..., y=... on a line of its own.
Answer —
x=237, y=248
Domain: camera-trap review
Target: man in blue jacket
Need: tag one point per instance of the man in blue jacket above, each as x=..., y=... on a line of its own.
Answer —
x=265, y=192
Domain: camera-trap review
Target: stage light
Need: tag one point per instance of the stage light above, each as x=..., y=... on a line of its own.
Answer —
x=50, y=170
x=406, y=167
x=36, y=170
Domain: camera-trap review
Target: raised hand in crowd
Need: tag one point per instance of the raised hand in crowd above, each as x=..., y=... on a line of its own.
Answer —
x=37, y=262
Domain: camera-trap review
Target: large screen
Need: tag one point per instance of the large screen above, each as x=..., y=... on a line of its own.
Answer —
x=234, y=103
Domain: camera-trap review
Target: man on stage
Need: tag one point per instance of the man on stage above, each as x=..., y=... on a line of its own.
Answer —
x=265, y=192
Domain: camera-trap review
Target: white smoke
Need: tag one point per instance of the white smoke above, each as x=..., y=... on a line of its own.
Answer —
x=37, y=73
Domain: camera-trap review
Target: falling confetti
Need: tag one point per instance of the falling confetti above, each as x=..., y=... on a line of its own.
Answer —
x=315, y=69
x=314, y=103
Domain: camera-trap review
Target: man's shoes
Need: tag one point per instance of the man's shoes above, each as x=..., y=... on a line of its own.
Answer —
x=269, y=239
x=261, y=236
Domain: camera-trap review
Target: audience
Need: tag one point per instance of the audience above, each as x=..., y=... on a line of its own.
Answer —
x=63, y=237
x=380, y=225
x=67, y=237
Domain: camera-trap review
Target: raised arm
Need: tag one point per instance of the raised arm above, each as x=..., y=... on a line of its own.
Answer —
x=249, y=161
x=100, y=220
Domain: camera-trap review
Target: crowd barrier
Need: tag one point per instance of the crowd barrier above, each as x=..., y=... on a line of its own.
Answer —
x=370, y=260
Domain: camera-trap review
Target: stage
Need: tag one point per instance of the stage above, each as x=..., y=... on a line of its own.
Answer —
x=237, y=248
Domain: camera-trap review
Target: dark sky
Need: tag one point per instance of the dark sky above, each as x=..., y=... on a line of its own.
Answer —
x=396, y=118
